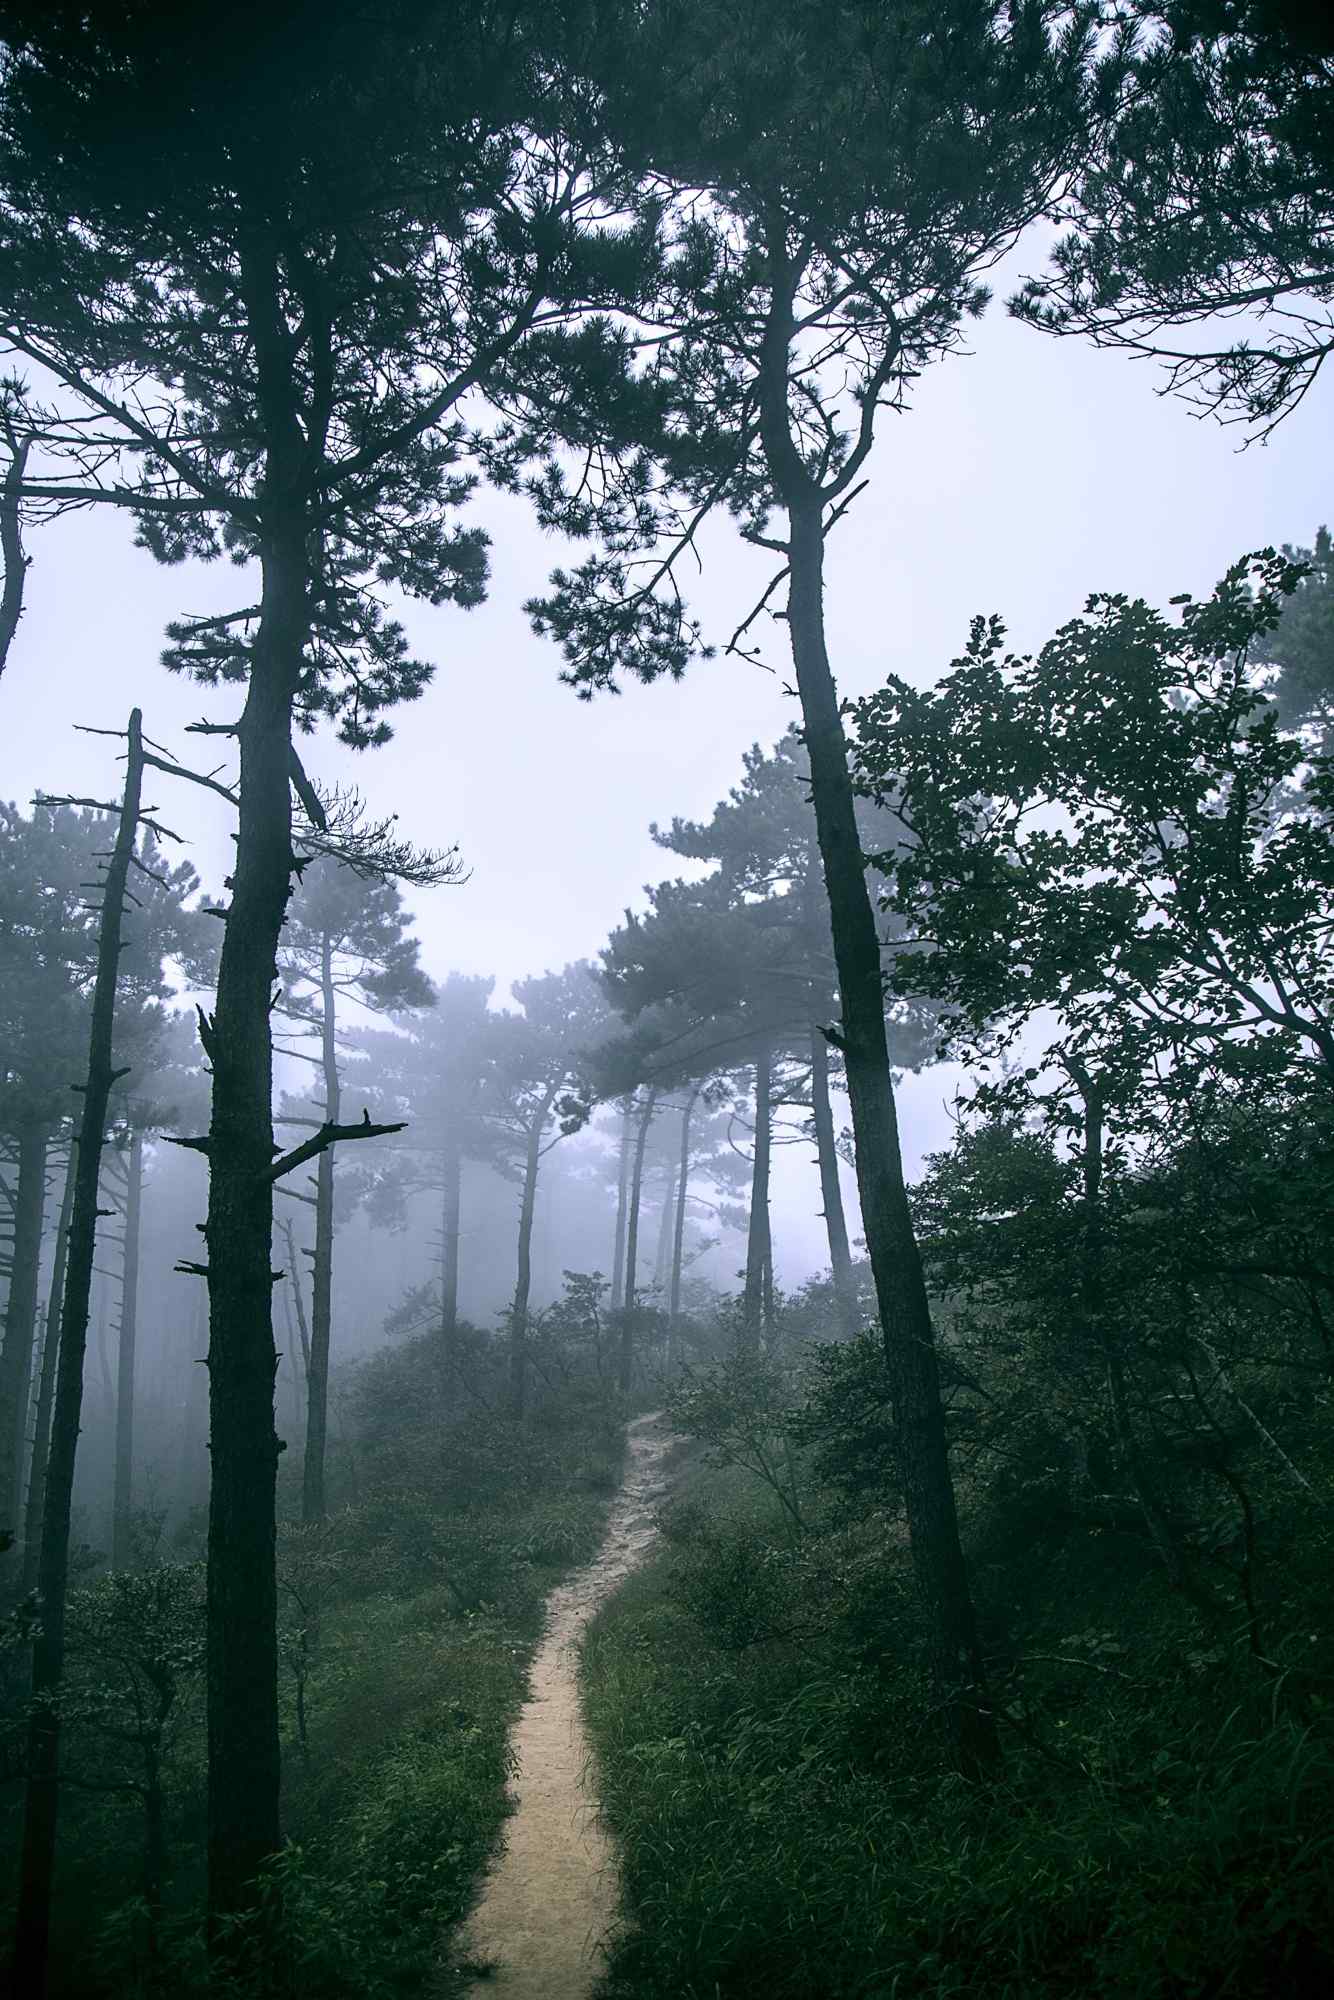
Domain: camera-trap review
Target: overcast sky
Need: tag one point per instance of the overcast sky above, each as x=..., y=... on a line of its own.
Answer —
x=1027, y=475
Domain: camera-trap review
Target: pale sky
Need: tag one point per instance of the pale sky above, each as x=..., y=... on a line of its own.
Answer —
x=1027, y=475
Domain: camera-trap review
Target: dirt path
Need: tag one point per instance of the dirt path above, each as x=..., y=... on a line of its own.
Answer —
x=553, y=1895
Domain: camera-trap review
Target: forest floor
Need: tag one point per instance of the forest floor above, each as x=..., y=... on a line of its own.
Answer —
x=554, y=1893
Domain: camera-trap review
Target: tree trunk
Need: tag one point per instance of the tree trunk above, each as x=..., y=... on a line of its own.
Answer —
x=13, y=562
x=21, y=1316
x=46, y=1383
x=299, y=1297
x=321, y=1303
x=122, y=1507
x=831, y=1194
x=679, y=1226
x=33, y=1916
x=451, y=1184
x=242, y=1618
x=627, y=1364
x=905, y=1314
x=293, y=1366
x=662, y=1256
x=622, y=1198
x=753, y=1312
x=524, y=1275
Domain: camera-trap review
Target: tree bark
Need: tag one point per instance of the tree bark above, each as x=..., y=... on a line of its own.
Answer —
x=662, y=1256
x=12, y=558
x=625, y=1373
x=896, y=1266
x=831, y=1194
x=21, y=1315
x=46, y=1383
x=321, y=1302
x=122, y=1503
x=242, y=1618
x=41, y=1803
x=622, y=1198
x=753, y=1302
x=451, y=1199
x=679, y=1226
x=524, y=1274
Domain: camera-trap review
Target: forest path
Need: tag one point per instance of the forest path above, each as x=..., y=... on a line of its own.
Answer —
x=553, y=1894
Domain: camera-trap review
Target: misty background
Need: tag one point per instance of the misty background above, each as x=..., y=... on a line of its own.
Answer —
x=1028, y=474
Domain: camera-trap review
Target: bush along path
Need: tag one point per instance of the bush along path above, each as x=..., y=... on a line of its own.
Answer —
x=554, y=1893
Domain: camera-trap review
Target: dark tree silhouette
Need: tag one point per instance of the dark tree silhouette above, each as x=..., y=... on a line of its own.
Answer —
x=865, y=167
x=198, y=226
x=1211, y=197
x=32, y=1922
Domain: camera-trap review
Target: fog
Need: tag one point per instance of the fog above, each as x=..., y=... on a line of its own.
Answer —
x=789, y=1156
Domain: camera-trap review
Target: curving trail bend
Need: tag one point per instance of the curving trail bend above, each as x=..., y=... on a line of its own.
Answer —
x=553, y=1895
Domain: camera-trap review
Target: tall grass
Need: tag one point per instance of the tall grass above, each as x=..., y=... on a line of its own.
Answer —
x=787, y=1831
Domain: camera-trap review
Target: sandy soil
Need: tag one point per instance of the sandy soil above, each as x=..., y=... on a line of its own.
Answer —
x=553, y=1895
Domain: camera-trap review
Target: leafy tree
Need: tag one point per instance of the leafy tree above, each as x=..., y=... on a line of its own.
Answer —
x=434, y=1066
x=1301, y=645
x=1174, y=908
x=42, y=1792
x=1118, y=830
x=864, y=167
x=48, y=944
x=344, y=937
x=536, y=1093
x=704, y=979
x=763, y=840
x=1209, y=197
x=137, y=1651
x=265, y=277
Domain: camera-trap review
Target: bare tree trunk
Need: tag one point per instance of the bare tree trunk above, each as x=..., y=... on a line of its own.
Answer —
x=679, y=1225
x=622, y=1198
x=244, y=1764
x=46, y=1383
x=753, y=1312
x=321, y=1303
x=451, y=1185
x=122, y=1507
x=21, y=1317
x=293, y=1365
x=627, y=1362
x=662, y=1256
x=905, y=1314
x=524, y=1275
x=831, y=1194
x=41, y=1803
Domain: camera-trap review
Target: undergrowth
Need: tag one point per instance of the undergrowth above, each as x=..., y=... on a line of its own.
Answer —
x=407, y=1623
x=1162, y=1829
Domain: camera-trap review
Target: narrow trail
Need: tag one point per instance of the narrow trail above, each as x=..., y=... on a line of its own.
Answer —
x=553, y=1894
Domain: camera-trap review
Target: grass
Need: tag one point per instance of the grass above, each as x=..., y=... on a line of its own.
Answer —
x=427, y=1608
x=788, y=1833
